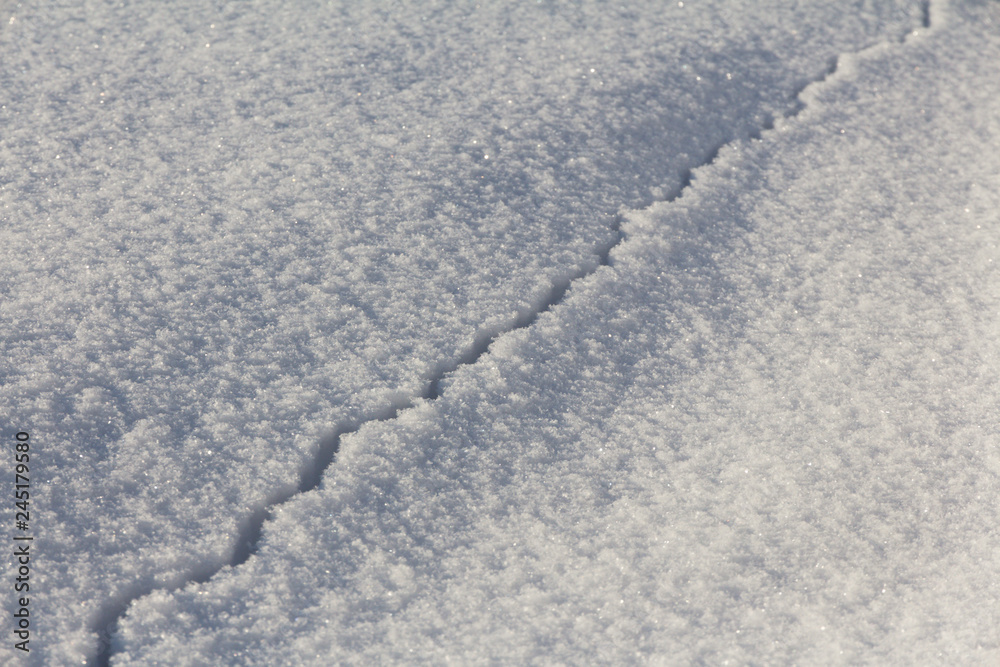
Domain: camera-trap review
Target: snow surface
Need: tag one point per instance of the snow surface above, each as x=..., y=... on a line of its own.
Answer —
x=765, y=432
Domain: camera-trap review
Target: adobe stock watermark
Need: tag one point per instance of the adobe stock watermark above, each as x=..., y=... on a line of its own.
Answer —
x=22, y=542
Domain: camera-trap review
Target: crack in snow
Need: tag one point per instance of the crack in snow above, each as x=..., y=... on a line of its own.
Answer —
x=251, y=528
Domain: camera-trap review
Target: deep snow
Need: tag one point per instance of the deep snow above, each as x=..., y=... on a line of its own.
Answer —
x=766, y=432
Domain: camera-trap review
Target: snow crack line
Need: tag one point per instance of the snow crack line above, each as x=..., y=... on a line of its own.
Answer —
x=250, y=530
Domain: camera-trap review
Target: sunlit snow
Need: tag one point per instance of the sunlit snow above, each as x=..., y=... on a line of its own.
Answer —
x=551, y=332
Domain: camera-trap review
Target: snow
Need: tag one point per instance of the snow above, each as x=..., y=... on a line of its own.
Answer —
x=763, y=430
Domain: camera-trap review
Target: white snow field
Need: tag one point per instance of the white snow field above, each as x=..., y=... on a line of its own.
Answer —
x=253, y=255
